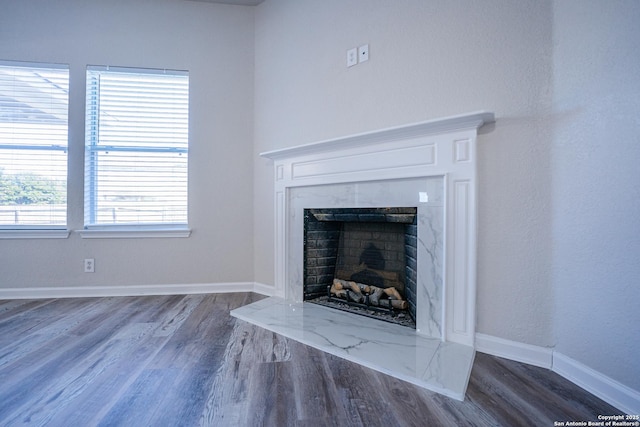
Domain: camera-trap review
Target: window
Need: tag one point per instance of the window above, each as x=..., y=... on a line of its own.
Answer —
x=136, y=147
x=34, y=100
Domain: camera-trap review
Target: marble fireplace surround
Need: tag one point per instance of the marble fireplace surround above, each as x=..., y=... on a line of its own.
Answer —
x=430, y=165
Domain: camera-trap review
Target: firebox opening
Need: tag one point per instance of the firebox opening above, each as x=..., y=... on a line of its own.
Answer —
x=362, y=260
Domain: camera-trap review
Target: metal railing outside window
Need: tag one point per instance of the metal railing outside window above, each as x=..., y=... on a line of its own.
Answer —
x=34, y=104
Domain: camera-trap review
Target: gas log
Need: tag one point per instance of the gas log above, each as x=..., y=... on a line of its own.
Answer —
x=357, y=292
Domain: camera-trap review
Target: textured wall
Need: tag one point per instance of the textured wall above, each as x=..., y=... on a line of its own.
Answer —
x=213, y=42
x=428, y=59
x=596, y=195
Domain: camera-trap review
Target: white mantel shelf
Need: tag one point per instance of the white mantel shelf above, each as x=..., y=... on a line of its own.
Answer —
x=467, y=121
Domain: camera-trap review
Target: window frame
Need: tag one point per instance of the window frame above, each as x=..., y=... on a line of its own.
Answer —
x=44, y=230
x=91, y=229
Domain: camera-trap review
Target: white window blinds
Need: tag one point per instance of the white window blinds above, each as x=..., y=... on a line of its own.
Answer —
x=34, y=100
x=136, y=150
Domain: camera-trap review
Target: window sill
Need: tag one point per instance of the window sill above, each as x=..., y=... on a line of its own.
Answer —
x=132, y=233
x=34, y=234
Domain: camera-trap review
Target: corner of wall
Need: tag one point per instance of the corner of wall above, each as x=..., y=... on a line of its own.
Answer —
x=611, y=391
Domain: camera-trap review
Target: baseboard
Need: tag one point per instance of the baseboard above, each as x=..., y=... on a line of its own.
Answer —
x=616, y=394
x=133, y=290
x=611, y=391
x=261, y=288
x=512, y=350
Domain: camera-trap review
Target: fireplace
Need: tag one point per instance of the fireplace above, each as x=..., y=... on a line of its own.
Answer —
x=362, y=260
x=429, y=167
x=425, y=195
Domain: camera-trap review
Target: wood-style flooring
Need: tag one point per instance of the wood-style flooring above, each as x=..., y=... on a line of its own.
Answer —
x=184, y=361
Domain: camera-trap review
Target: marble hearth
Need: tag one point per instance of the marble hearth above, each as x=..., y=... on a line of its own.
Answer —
x=430, y=166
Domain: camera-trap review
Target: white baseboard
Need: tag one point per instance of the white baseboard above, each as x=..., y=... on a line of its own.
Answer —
x=512, y=350
x=616, y=394
x=133, y=290
x=611, y=391
x=261, y=288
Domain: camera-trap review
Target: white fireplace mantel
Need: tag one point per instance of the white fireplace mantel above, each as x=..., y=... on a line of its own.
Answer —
x=430, y=166
x=429, y=127
x=444, y=148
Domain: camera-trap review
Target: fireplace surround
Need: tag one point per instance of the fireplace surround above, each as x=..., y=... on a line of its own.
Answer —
x=376, y=194
x=430, y=166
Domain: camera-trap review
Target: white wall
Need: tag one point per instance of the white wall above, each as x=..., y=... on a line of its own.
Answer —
x=213, y=42
x=595, y=186
x=428, y=59
x=559, y=198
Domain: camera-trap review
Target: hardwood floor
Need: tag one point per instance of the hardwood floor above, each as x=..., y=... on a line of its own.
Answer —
x=184, y=361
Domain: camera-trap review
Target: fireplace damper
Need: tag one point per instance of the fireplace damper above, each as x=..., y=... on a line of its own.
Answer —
x=362, y=260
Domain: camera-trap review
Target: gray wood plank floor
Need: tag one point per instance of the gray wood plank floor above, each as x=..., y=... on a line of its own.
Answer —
x=184, y=361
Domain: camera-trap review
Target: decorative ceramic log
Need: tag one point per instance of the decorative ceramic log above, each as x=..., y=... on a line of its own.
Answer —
x=398, y=304
x=354, y=287
x=355, y=296
x=352, y=291
x=393, y=293
x=374, y=297
x=348, y=284
x=339, y=293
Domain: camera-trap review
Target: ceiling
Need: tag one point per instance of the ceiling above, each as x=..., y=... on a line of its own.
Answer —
x=239, y=2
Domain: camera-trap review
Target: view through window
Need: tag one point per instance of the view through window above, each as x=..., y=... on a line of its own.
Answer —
x=136, y=147
x=34, y=101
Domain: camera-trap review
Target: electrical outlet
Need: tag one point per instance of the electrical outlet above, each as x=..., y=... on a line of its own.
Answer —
x=352, y=57
x=89, y=265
